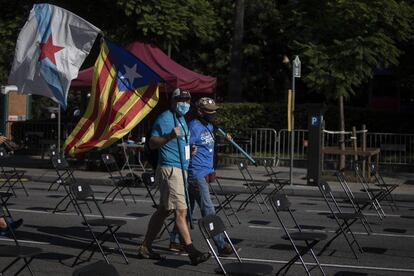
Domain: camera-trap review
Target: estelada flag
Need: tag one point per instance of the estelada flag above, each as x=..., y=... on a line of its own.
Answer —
x=50, y=49
x=124, y=91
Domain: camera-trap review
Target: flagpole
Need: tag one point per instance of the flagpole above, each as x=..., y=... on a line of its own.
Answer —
x=58, y=142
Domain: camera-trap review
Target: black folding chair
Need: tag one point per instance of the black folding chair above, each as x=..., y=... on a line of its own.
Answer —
x=224, y=197
x=99, y=268
x=10, y=175
x=65, y=178
x=359, y=204
x=374, y=194
x=387, y=188
x=18, y=252
x=54, y=154
x=119, y=181
x=255, y=188
x=277, y=182
x=84, y=193
x=344, y=220
x=280, y=203
x=211, y=226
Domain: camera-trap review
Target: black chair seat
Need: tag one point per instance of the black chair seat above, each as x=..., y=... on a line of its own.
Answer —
x=346, y=216
x=306, y=236
x=123, y=178
x=359, y=200
x=99, y=268
x=387, y=185
x=225, y=192
x=5, y=194
x=105, y=222
x=19, y=251
x=256, y=184
x=14, y=172
x=372, y=190
x=246, y=269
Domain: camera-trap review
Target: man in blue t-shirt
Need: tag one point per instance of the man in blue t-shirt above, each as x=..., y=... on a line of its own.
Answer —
x=201, y=167
x=171, y=136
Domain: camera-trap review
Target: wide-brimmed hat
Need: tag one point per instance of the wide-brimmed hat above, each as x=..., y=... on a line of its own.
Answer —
x=207, y=104
x=181, y=94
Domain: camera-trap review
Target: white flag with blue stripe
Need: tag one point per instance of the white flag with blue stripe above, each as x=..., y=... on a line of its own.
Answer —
x=50, y=49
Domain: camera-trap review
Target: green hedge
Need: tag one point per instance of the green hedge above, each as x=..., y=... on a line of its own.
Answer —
x=239, y=116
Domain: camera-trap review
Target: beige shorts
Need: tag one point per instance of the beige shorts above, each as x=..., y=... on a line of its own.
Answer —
x=172, y=193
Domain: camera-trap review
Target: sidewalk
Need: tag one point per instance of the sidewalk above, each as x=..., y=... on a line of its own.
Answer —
x=41, y=171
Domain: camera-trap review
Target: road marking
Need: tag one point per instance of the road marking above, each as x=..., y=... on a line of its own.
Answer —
x=332, y=231
x=25, y=241
x=127, y=199
x=329, y=265
x=70, y=214
x=367, y=214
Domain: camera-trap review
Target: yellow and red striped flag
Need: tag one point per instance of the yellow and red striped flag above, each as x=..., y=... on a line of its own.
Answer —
x=124, y=91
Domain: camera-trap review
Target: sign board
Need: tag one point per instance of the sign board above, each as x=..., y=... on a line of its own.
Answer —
x=297, y=67
x=16, y=118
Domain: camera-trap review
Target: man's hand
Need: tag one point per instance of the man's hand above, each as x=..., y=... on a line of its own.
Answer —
x=228, y=137
x=193, y=149
x=175, y=132
x=2, y=139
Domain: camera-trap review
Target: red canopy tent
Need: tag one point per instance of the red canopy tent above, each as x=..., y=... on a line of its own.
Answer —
x=173, y=73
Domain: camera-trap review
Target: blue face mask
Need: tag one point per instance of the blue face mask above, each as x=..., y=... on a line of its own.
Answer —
x=182, y=108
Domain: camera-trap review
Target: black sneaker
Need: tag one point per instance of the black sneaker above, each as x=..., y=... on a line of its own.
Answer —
x=145, y=253
x=16, y=224
x=199, y=257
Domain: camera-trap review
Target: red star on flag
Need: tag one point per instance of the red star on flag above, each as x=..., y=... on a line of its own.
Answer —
x=48, y=50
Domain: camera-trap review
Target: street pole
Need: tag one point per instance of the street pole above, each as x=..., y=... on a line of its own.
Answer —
x=296, y=71
x=59, y=127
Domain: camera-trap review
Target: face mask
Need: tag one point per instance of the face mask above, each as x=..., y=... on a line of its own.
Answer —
x=209, y=117
x=182, y=108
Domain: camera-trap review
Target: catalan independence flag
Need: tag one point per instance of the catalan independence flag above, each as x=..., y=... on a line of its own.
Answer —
x=124, y=91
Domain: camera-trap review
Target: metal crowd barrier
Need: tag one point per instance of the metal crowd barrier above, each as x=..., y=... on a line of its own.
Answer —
x=396, y=148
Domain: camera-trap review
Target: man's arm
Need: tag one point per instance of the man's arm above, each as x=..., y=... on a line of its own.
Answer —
x=158, y=141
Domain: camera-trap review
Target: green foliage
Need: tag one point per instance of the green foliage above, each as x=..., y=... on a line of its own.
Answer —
x=341, y=42
x=165, y=21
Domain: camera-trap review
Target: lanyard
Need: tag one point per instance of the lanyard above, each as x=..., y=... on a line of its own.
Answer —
x=182, y=126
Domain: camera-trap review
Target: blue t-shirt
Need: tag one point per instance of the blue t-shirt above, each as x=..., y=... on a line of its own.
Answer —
x=202, y=163
x=168, y=155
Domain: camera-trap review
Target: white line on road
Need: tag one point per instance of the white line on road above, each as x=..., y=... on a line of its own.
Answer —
x=24, y=241
x=332, y=231
x=330, y=265
x=127, y=199
x=70, y=214
x=367, y=214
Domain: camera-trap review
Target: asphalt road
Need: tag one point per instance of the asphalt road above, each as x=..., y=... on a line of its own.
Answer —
x=388, y=251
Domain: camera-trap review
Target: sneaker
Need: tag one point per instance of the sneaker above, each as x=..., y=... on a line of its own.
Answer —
x=227, y=250
x=16, y=224
x=177, y=247
x=145, y=253
x=199, y=257
x=13, y=224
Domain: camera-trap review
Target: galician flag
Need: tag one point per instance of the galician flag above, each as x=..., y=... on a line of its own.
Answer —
x=50, y=49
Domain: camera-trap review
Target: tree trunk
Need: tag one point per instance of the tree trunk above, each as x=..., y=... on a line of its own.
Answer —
x=342, y=129
x=235, y=85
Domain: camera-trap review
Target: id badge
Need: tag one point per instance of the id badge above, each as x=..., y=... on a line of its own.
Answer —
x=187, y=152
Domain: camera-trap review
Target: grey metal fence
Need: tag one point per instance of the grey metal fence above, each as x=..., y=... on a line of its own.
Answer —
x=258, y=142
x=395, y=148
x=300, y=144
